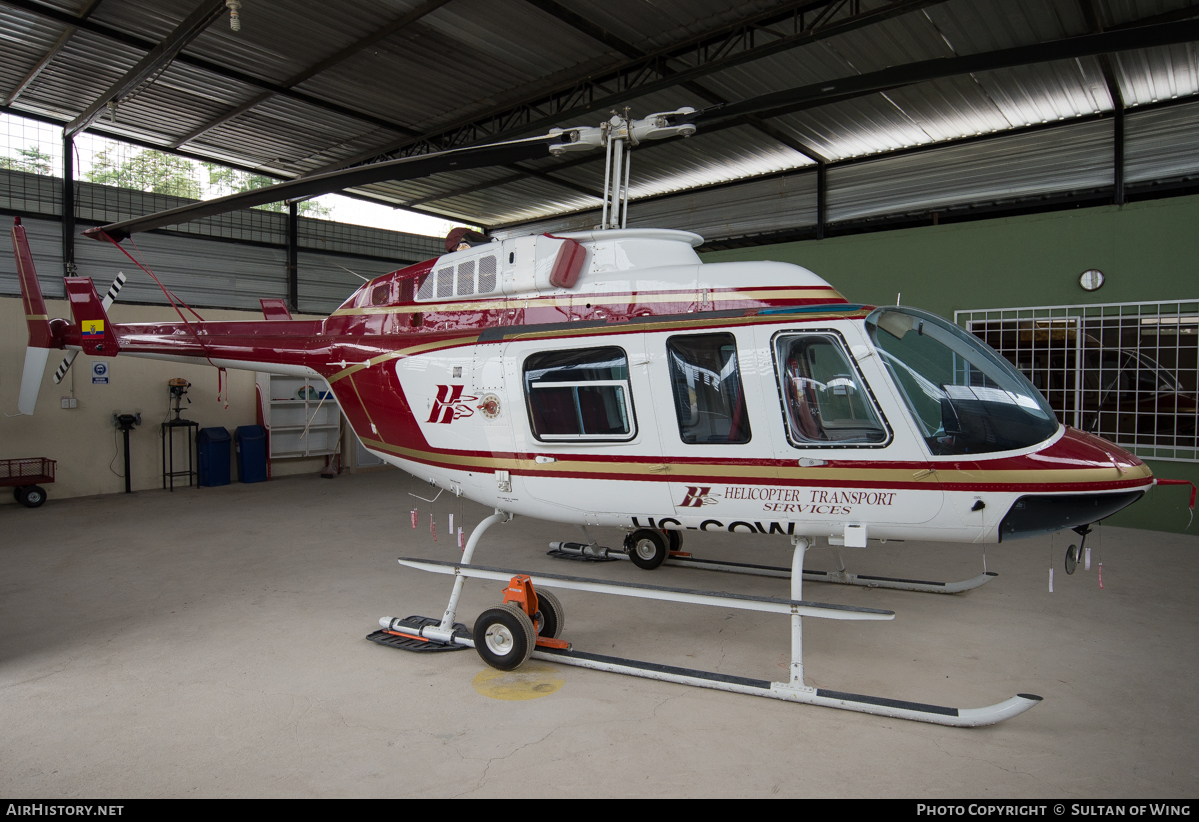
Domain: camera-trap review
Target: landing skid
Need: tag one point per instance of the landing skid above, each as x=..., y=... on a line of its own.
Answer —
x=415, y=633
x=596, y=553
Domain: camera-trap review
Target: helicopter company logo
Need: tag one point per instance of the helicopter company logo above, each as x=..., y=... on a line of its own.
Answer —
x=449, y=404
x=698, y=496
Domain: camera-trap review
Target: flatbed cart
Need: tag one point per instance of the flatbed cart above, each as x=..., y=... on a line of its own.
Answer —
x=24, y=474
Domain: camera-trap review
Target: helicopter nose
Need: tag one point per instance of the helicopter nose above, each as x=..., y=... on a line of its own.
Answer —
x=1099, y=452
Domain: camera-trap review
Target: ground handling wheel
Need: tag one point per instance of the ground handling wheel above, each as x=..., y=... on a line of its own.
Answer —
x=31, y=496
x=647, y=549
x=504, y=637
x=674, y=540
x=550, y=617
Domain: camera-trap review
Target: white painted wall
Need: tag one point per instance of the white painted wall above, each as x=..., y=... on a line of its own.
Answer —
x=84, y=440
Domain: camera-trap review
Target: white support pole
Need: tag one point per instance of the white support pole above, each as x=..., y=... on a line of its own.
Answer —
x=624, y=210
x=618, y=149
x=801, y=547
x=607, y=177
x=447, y=619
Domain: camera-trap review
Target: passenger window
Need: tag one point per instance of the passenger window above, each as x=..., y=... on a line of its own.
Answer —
x=579, y=395
x=706, y=382
x=824, y=398
x=381, y=294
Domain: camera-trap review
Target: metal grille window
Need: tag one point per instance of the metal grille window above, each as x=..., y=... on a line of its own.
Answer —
x=1127, y=372
x=486, y=275
x=445, y=282
x=425, y=292
x=466, y=278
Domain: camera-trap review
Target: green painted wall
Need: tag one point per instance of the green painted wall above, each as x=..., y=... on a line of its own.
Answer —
x=1148, y=251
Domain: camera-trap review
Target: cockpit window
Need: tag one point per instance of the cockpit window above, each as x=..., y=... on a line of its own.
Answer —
x=965, y=398
x=824, y=399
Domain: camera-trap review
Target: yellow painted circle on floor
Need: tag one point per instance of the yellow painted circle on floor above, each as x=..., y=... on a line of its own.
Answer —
x=532, y=680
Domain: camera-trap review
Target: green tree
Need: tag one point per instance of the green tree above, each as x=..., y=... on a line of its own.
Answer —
x=31, y=161
x=232, y=181
x=153, y=171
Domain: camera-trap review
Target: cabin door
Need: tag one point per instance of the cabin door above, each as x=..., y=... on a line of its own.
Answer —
x=587, y=426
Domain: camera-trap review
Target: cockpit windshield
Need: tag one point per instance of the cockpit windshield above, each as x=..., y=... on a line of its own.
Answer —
x=965, y=398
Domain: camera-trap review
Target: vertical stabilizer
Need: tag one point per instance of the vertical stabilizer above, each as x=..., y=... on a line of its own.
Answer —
x=36, y=320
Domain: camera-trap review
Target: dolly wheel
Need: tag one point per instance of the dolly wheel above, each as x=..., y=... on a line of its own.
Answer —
x=674, y=540
x=646, y=548
x=31, y=496
x=551, y=617
x=504, y=637
x=16, y=493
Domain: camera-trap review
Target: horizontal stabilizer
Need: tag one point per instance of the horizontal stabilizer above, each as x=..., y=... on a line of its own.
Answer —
x=274, y=308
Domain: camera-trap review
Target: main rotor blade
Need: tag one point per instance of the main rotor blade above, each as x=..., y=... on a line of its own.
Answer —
x=819, y=94
x=403, y=169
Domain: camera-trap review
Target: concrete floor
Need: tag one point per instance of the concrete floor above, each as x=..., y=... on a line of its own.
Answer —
x=211, y=643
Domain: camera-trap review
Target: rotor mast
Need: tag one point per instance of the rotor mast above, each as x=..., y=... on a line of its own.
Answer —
x=618, y=136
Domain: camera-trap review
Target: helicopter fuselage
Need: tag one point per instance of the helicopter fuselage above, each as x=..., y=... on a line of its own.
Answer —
x=611, y=378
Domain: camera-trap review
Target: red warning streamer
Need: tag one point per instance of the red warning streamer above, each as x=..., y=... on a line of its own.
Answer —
x=1182, y=482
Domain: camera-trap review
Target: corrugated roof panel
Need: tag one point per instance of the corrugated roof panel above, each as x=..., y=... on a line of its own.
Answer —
x=1162, y=144
x=437, y=184
x=526, y=199
x=650, y=26
x=1046, y=92
x=745, y=209
x=1150, y=75
x=1072, y=158
x=432, y=70
x=83, y=70
x=971, y=27
x=24, y=39
x=853, y=128
x=704, y=159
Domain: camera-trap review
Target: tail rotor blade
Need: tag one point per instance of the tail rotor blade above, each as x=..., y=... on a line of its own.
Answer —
x=31, y=378
x=114, y=289
x=64, y=366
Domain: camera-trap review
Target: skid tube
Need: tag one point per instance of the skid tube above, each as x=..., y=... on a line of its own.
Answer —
x=794, y=690
x=840, y=577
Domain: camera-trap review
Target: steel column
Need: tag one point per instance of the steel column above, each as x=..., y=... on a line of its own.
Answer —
x=293, y=256
x=1118, y=146
x=821, y=199
x=68, y=205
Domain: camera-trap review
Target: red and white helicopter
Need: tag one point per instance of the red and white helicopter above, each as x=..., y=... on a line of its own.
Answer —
x=610, y=378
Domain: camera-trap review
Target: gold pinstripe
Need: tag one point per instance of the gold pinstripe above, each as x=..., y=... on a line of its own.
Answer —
x=812, y=292
x=647, y=325
x=816, y=475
